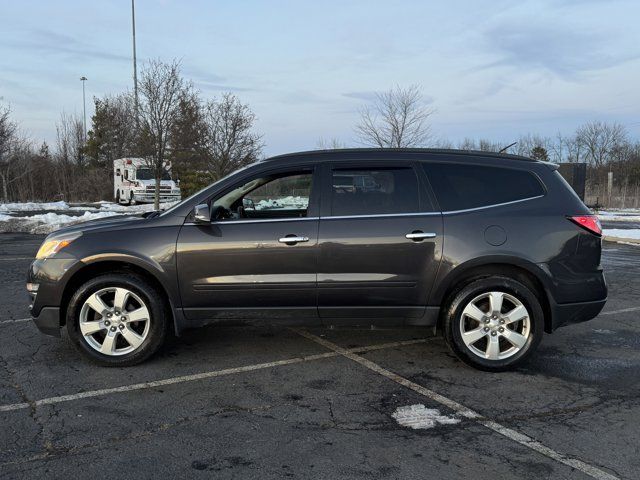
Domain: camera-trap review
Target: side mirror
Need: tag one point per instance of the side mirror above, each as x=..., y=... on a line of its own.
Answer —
x=201, y=214
x=248, y=204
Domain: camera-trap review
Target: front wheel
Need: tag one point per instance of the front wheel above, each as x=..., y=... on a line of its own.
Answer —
x=117, y=319
x=494, y=323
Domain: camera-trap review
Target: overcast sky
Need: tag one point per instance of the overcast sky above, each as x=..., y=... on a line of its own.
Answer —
x=491, y=68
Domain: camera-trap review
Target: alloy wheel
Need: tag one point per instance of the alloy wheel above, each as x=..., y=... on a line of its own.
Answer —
x=495, y=325
x=114, y=321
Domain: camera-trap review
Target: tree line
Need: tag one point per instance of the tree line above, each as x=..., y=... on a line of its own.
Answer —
x=206, y=139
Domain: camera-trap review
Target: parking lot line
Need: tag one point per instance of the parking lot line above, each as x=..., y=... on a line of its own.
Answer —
x=6, y=259
x=462, y=410
x=15, y=320
x=198, y=376
x=624, y=310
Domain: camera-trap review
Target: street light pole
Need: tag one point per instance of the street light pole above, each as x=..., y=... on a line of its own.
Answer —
x=135, y=67
x=84, y=110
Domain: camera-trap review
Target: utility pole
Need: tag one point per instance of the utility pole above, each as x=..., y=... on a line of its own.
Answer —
x=135, y=66
x=84, y=110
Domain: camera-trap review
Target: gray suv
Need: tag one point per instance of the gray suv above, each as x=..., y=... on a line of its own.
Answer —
x=491, y=249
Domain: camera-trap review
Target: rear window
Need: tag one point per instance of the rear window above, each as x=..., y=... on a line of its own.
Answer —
x=374, y=191
x=461, y=187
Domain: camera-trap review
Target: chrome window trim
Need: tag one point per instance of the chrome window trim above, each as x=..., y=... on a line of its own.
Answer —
x=258, y=220
x=381, y=215
x=452, y=212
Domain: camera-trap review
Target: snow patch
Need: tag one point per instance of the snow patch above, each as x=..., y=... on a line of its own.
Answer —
x=633, y=233
x=14, y=216
x=421, y=417
x=622, y=215
x=46, y=222
x=603, y=331
x=289, y=202
x=32, y=206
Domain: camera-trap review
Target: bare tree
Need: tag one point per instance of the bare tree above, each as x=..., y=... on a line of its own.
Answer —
x=7, y=139
x=15, y=153
x=230, y=141
x=398, y=118
x=330, y=144
x=160, y=89
x=600, y=140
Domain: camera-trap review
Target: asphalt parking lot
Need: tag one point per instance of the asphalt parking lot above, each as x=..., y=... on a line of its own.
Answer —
x=271, y=402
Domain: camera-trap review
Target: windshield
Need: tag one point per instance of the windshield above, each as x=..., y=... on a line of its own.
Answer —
x=146, y=173
x=168, y=211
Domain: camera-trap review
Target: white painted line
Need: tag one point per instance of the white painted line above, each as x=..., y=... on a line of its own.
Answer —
x=15, y=320
x=197, y=376
x=464, y=411
x=16, y=258
x=624, y=310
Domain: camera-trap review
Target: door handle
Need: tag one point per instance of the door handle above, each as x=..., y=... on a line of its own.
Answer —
x=293, y=239
x=418, y=235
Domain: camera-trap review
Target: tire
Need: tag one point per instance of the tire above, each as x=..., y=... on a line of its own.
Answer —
x=132, y=325
x=493, y=340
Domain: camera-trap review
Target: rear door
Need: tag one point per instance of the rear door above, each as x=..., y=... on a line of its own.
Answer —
x=380, y=241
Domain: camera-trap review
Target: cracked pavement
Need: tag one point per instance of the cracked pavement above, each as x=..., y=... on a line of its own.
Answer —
x=322, y=418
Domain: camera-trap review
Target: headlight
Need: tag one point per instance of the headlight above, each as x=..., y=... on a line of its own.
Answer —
x=52, y=246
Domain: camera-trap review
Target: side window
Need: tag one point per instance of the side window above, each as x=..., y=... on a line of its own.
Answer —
x=117, y=172
x=374, y=191
x=281, y=196
x=126, y=174
x=460, y=186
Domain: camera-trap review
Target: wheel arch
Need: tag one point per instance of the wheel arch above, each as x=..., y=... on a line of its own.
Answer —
x=95, y=268
x=525, y=272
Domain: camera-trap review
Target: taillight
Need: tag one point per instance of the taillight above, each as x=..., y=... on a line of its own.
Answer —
x=588, y=222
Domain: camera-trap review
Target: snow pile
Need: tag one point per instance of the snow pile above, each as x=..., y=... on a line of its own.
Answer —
x=32, y=206
x=142, y=208
x=14, y=216
x=627, y=215
x=419, y=416
x=46, y=222
x=631, y=233
x=289, y=202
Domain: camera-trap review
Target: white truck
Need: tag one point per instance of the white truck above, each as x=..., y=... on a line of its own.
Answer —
x=133, y=182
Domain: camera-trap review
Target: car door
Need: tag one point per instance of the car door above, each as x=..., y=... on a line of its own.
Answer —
x=380, y=242
x=258, y=257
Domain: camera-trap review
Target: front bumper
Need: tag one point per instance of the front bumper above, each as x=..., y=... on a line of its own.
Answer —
x=570, y=313
x=48, y=321
x=150, y=197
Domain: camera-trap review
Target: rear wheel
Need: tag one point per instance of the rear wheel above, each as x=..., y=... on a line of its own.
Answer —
x=494, y=323
x=117, y=320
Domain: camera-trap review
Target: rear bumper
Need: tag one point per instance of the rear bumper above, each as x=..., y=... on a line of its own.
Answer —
x=570, y=313
x=48, y=321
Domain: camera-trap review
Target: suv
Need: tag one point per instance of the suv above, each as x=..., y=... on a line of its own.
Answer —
x=492, y=249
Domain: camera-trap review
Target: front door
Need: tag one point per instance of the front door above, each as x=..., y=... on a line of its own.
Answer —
x=258, y=258
x=380, y=243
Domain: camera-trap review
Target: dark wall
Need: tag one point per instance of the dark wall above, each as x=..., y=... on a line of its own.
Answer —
x=576, y=175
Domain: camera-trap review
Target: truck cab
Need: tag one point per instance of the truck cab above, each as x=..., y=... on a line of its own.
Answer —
x=134, y=182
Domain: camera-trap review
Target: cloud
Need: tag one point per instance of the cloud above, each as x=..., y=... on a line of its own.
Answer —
x=371, y=96
x=557, y=49
x=368, y=96
x=48, y=42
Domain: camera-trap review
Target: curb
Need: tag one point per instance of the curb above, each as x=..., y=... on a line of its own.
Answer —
x=634, y=241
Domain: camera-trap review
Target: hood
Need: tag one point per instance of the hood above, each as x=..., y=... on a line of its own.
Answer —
x=97, y=224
